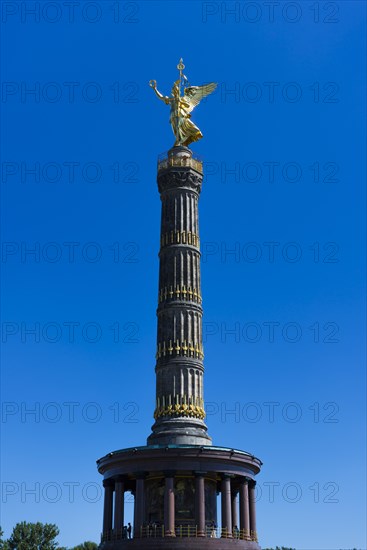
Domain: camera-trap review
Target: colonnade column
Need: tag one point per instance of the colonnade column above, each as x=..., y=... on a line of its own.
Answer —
x=234, y=509
x=226, y=507
x=108, y=485
x=139, y=506
x=252, y=507
x=200, y=504
x=244, y=510
x=169, y=505
x=118, y=520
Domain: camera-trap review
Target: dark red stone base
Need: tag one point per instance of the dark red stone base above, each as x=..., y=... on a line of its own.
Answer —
x=185, y=543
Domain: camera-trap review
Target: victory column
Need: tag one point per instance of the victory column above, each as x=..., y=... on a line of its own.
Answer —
x=176, y=477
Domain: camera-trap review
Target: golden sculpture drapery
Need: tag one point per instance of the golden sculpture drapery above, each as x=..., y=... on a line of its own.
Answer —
x=184, y=129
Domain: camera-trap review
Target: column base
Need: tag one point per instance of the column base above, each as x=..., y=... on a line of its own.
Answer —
x=179, y=431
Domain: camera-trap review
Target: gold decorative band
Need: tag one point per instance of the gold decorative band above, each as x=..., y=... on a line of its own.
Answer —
x=181, y=406
x=180, y=237
x=180, y=293
x=187, y=349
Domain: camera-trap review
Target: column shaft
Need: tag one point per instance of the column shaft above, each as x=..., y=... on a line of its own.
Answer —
x=200, y=505
x=139, y=507
x=244, y=510
x=169, y=508
x=226, y=507
x=119, y=506
x=252, y=506
x=179, y=367
x=107, y=508
x=234, y=510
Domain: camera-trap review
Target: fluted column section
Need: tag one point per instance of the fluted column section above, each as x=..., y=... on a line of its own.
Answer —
x=179, y=411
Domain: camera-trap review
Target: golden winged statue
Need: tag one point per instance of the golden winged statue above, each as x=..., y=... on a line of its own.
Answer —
x=183, y=128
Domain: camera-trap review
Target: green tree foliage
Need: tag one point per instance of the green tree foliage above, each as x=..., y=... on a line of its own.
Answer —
x=34, y=536
x=86, y=546
x=3, y=543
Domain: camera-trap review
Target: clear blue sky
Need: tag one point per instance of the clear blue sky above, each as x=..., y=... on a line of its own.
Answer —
x=284, y=191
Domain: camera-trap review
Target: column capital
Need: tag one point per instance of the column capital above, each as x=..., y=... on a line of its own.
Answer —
x=198, y=473
x=179, y=177
x=227, y=476
x=169, y=473
x=119, y=479
x=245, y=479
x=140, y=475
x=109, y=482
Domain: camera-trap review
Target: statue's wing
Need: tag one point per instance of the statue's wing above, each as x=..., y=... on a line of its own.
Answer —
x=194, y=94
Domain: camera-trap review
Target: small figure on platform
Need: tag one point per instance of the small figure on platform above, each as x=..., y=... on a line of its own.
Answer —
x=213, y=533
x=129, y=530
x=150, y=529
